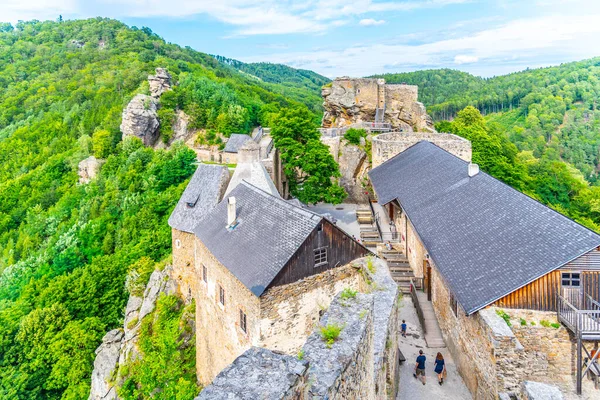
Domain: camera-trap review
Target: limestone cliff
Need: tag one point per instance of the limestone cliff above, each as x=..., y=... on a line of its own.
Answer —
x=354, y=165
x=349, y=101
x=120, y=345
x=88, y=169
x=159, y=83
x=141, y=120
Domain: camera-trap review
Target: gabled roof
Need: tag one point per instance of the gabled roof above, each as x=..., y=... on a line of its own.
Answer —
x=201, y=195
x=250, y=169
x=235, y=142
x=268, y=233
x=486, y=239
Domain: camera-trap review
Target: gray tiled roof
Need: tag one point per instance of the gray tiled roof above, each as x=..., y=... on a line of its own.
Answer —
x=201, y=195
x=235, y=142
x=486, y=239
x=269, y=232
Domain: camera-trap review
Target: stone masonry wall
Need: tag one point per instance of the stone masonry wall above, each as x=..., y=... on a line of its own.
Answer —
x=343, y=370
x=362, y=363
x=219, y=337
x=289, y=313
x=183, y=245
x=387, y=145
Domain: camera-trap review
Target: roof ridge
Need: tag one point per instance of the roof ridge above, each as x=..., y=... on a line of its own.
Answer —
x=280, y=200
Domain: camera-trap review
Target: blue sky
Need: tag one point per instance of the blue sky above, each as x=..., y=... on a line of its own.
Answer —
x=357, y=37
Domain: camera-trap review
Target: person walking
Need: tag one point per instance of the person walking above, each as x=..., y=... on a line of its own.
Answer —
x=403, y=328
x=420, y=367
x=440, y=368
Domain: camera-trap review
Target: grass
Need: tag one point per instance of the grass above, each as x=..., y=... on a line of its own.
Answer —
x=330, y=333
x=132, y=323
x=362, y=314
x=348, y=293
x=504, y=316
x=545, y=324
x=232, y=166
x=370, y=265
x=300, y=355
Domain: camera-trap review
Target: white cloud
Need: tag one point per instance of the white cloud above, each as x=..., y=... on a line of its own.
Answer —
x=248, y=17
x=464, y=59
x=515, y=45
x=371, y=22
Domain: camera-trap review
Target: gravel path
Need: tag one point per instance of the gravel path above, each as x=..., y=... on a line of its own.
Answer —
x=411, y=388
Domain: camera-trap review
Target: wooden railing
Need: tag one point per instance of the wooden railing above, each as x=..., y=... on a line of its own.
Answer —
x=581, y=322
x=415, y=299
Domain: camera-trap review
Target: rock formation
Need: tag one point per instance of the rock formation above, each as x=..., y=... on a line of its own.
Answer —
x=159, y=83
x=349, y=101
x=141, y=120
x=353, y=164
x=88, y=169
x=120, y=345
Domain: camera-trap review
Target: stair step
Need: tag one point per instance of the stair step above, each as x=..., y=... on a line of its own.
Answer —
x=369, y=234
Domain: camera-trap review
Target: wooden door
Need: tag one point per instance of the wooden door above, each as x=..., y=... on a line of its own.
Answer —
x=571, y=287
x=427, y=278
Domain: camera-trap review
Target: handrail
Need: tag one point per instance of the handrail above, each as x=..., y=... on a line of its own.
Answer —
x=415, y=299
x=578, y=320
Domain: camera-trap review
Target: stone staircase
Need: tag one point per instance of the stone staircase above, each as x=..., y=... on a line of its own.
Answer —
x=399, y=268
x=369, y=234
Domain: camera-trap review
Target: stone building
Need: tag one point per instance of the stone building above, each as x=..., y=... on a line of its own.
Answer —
x=233, y=145
x=355, y=100
x=260, y=268
x=478, y=243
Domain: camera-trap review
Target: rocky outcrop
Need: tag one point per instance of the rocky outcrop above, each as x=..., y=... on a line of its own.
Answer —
x=120, y=345
x=107, y=356
x=88, y=169
x=141, y=120
x=159, y=83
x=353, y=101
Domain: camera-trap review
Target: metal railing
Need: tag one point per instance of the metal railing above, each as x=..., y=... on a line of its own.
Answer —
x=333, y=132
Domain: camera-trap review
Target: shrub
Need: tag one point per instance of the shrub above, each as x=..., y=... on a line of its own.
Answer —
x=353, y=135
x=330, y=333
x=545, y=323
x=370, y=265
x=555, y=325
x=523, y=322
x=348, y=293
x=504, y=316
x=301, y=355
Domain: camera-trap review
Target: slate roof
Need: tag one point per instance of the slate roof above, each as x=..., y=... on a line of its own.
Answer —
x=486, y=239
x=269, y=232
x=235, y=142
x=201, y=195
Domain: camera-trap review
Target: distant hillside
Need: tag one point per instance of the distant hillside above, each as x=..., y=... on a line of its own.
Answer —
x=309, y=83
x=547, y=110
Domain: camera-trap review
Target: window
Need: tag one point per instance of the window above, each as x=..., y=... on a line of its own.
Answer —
x=204, y=274
x=178, y=243
x=453, y=305
x=571, y=279
x=243, y=321
x=221, y=295
x=320, y=256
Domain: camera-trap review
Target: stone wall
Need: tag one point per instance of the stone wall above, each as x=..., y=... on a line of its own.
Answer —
x=183, y=245
x=361, y=364
x=352, y=100
x=387, y=145
x=289, y=313
x=219, y=337
x=343, y=370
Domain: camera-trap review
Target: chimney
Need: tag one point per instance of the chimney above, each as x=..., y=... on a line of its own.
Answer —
x=231, y=214
x=473, y=169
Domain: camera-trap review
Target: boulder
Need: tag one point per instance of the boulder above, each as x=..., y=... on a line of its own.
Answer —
x=141, y=120
x=88, y=169
x=105, y=363
x=159, y=83
x=540, y=391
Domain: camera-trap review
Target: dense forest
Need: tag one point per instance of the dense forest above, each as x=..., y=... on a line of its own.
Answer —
x=66, y=249
x=551, y=112
x=291, y=78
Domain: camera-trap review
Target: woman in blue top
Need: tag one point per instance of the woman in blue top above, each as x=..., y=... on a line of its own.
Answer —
x=440, y=368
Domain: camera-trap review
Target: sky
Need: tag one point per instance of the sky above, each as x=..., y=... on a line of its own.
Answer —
x=357, y=37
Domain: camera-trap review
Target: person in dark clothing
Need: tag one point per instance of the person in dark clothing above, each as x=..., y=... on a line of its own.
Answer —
x=403, y=328
x=440, y=368
x=420, y=367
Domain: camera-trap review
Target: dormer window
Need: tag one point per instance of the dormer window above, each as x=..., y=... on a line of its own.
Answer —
x=190, y=205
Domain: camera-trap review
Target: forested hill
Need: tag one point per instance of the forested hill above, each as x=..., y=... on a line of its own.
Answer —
x=66, y=249
x=282, y=74
x=542, y=110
